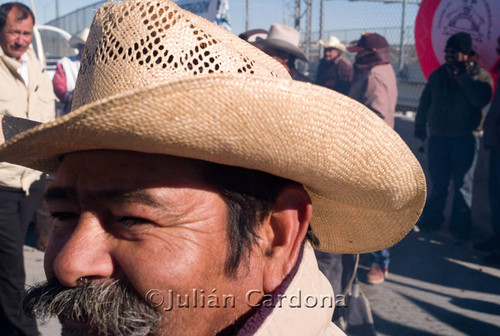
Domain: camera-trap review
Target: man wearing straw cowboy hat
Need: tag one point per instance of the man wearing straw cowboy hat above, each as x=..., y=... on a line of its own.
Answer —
x=183, y=193
x=26, y=92
x=334, y=70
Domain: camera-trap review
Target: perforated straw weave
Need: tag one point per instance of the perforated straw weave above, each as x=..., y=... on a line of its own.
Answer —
x=157, y=79
x=144, y=43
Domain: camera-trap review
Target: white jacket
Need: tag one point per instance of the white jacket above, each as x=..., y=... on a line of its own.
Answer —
x=35, y=102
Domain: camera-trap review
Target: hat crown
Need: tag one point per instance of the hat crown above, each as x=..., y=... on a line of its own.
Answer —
x=333, y=42
x=284, y=33
x=371, y=41
x=79, y=38
x=284, y=38
x=83, y=35
x=461, y=42
x=135, y=44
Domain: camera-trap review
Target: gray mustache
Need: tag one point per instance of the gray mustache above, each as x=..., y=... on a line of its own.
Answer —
x=110, y=307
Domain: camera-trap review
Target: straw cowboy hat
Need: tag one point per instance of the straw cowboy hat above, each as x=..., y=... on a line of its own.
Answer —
x=284, y=38
x=79, y=38
x=155, y=78
x=333, y=42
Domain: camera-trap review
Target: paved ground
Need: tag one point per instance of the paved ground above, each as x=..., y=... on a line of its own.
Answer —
x=434, y=288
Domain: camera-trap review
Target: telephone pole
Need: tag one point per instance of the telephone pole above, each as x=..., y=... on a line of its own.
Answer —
x=297, y=15
x=247, y=20
x=321, y=24
x=308, y=28
x=402, y=40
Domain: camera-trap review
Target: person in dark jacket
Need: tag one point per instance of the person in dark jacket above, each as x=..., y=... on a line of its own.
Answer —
x=334, y=70
x=492, y=143
x=451, y=106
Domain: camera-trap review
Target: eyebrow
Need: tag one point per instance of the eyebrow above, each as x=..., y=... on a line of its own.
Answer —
x=126, y=197
x=115, y=196
x=59, y=194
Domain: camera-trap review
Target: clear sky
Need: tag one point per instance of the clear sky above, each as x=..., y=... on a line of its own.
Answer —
x=339, y=14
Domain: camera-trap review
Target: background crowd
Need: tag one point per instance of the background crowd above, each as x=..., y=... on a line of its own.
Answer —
x=449, y=122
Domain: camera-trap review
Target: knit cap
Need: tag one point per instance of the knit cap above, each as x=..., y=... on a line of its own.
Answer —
x=461, y=42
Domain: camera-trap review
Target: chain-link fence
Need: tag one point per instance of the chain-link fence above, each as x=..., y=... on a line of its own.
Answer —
x=384, y=18
x=76, y=21
x=389, y=23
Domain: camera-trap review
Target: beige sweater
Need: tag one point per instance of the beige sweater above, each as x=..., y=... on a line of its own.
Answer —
x=298, y=314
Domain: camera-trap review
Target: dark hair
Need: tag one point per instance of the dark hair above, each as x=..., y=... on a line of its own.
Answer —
x=250, y=196
x=23, y=10
x=291, y=61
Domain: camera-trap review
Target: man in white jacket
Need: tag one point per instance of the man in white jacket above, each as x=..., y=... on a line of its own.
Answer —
x=25, y=92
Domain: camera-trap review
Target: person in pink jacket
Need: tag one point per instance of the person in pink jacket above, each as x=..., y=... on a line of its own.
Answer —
x=375, y=86
x=67, y=71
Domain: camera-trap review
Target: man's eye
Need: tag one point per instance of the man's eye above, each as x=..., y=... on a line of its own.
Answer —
x=132, y=221
x=64, y=216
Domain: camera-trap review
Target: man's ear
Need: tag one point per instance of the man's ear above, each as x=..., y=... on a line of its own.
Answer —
x=284, y=232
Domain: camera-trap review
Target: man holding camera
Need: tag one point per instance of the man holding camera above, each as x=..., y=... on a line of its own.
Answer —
x=451, y=105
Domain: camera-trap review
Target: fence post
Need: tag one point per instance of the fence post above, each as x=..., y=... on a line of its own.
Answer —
x=321, y=25
x=402, y=40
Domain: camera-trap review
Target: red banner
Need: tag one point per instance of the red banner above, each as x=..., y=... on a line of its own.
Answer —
x=437, y=20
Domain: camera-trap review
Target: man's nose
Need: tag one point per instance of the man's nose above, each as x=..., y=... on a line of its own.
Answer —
x=86, y=254
x=19, y=39
x=22, y=40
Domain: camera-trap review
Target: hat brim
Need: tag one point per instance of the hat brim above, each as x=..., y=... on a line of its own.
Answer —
x=74, y=41
x=355, y=49
x=284, y=46
x=367, y=188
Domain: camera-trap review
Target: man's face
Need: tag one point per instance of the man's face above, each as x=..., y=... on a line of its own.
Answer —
x=331, y=53
x=149, y=220
x=279, y=55
x=453, y=56
x=16, y=36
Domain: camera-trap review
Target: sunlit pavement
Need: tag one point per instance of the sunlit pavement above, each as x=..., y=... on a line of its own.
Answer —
x=435, y=288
